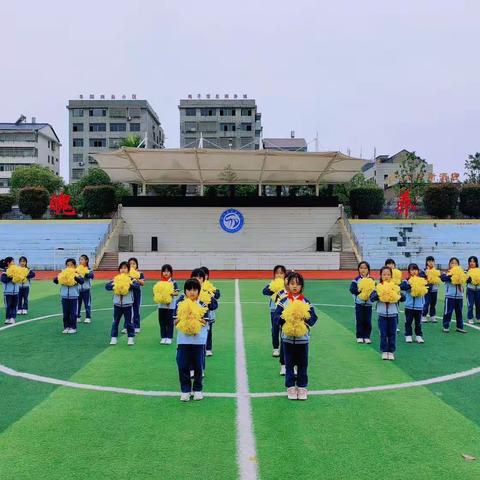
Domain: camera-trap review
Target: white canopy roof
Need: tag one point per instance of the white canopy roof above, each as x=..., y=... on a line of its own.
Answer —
x=215, y=167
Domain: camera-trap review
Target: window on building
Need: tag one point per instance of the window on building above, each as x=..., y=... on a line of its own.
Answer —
x=190, y=142
x=17, y=137
x=191, y=112
x=77, y=173
x=77, y=127
x=208, y=112
x=97, y=112
x=228, y=127
x=246, y=127
x=246, y=112
x=49, y=144
x=135, y=112
x=98, y=142
x=114, y=142
x=77, y=142
x=134, y=127
x=77, y=112
x=118, y=112
x=118, y=127
x=78, y=157
x=97, y=127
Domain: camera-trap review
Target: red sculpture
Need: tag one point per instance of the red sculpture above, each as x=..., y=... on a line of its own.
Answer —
x=404, y=204
x=60, y=205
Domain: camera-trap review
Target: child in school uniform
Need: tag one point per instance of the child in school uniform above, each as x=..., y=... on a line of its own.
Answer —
x=430, y=306
x=213, y=316
x=69, y=295
x=473, y=291
x=363, y=307
x=396, y=276
x=295, y=336
x=10, y=293
x=24, y=288
x=387, y=315
x=165, y=310
x=413, y=305
x=453, y=299
x=191, y=347
x=85, y=295
x=137, y=293
x=279, y=272
x=123, y=303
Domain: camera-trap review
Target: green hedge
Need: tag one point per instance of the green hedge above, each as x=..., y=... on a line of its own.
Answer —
x=366, y=201
x=470, y=200
x=6, y=204
x=99, y=200
x=440, y=200
x=33, y=201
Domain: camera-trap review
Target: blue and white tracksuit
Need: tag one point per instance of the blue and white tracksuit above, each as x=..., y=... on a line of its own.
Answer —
x=430, y=304
x=212, y=317
x=10, y=296
x=69, y=302
x=275, y=328
x=137, y=302
x=123, y=306
x=387, y=322
x=413, y=310
x=191, y=352
x=85, y=295
x=453, y=302
x=165, y=313
x=473, y=300
x=24, y=291
x=295, y=348
x=363, y=311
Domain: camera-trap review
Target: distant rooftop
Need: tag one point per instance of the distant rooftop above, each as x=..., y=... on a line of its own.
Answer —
x=284, y=143
x=26, y=127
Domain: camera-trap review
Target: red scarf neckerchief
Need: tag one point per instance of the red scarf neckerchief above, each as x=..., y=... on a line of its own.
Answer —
x=292, y=298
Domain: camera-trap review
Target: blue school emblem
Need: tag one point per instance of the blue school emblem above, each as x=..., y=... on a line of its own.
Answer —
x=231, y=220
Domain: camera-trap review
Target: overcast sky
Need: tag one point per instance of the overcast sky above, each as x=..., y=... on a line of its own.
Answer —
x=362, y=74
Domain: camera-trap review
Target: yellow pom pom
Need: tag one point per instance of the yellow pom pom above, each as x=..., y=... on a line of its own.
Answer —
x=433, y=276
x=396, y=276
x=18, y=274
x=419, y=286
x=67, y=277
x=276, y=286
x=190, y=317
x=121, y=284
x=295, y=314
x=205, y=297
x=209, y=287
x=163, y=292
x=474, y=274
x=366, y=286
x=458, y=275
x=135, y=274
x=388, y=292
x=82, y=270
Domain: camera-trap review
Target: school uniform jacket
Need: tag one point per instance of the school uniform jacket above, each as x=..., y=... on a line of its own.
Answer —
x=354, y=291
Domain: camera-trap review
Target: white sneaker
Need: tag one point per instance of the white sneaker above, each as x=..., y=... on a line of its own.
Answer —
x=302, y=393
x=72, y=330
x=419, y=339
x=113, y=341
x=391, y=356
x=433, y=319
x=65, y=330
x=367, y=340
x=385, y=356
x=192, y=373
x=295, y=370
x=124, y=330
x=163, y=341
x=137, y=330
x=208, y=353
x=87, y=320
x=424, y=319
x=282, y=370
x=185, y=397
x=398, y=330
x=168, y=341
x=276, y=352
x=359, y=340
x=11, y=321
x=408, y=339
x=197, y=395
x=292, y=393
x=131, y=341
x=470, y=322
x=25, y=312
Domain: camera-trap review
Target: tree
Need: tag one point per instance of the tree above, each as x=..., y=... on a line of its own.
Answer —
x=6, y=204
x=342, y=190
x=366, y=201
x=440, y=200
x=99, y=200
x=470, y=200
x=33, y=201
x=412, y=176
x=132, y=141
x=472, y=168
x=35, y=176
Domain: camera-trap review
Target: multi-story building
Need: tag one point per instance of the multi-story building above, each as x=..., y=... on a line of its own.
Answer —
x=291, y=144
x=228, y=123
x=22, y=144
x=99, y=125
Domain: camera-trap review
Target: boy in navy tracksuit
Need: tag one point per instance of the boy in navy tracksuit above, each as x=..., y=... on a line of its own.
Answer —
x=70, y=300
x=279, y=271
x=24, y=290
x=296, y=348
x=453, y=300
x=165, y=311
x=413, y=307
x=212, y=317
x=123, y=306
x=387, y=318
x=85, y=295
x=10, y=293
x=191, y=348
x=363, y=308
x=473, y=294
x=430, y=304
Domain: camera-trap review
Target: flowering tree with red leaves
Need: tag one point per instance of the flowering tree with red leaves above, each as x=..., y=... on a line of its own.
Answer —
x=404, y=204
x=60, y=205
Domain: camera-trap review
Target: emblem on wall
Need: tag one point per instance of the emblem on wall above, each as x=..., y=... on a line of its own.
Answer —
x=231, y=220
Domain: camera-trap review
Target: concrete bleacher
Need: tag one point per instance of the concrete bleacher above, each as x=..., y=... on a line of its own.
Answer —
x=48, y=243
x=412, y=241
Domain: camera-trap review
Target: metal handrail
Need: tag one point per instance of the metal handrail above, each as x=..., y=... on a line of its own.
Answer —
x=356, y=245
x=111, y=227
